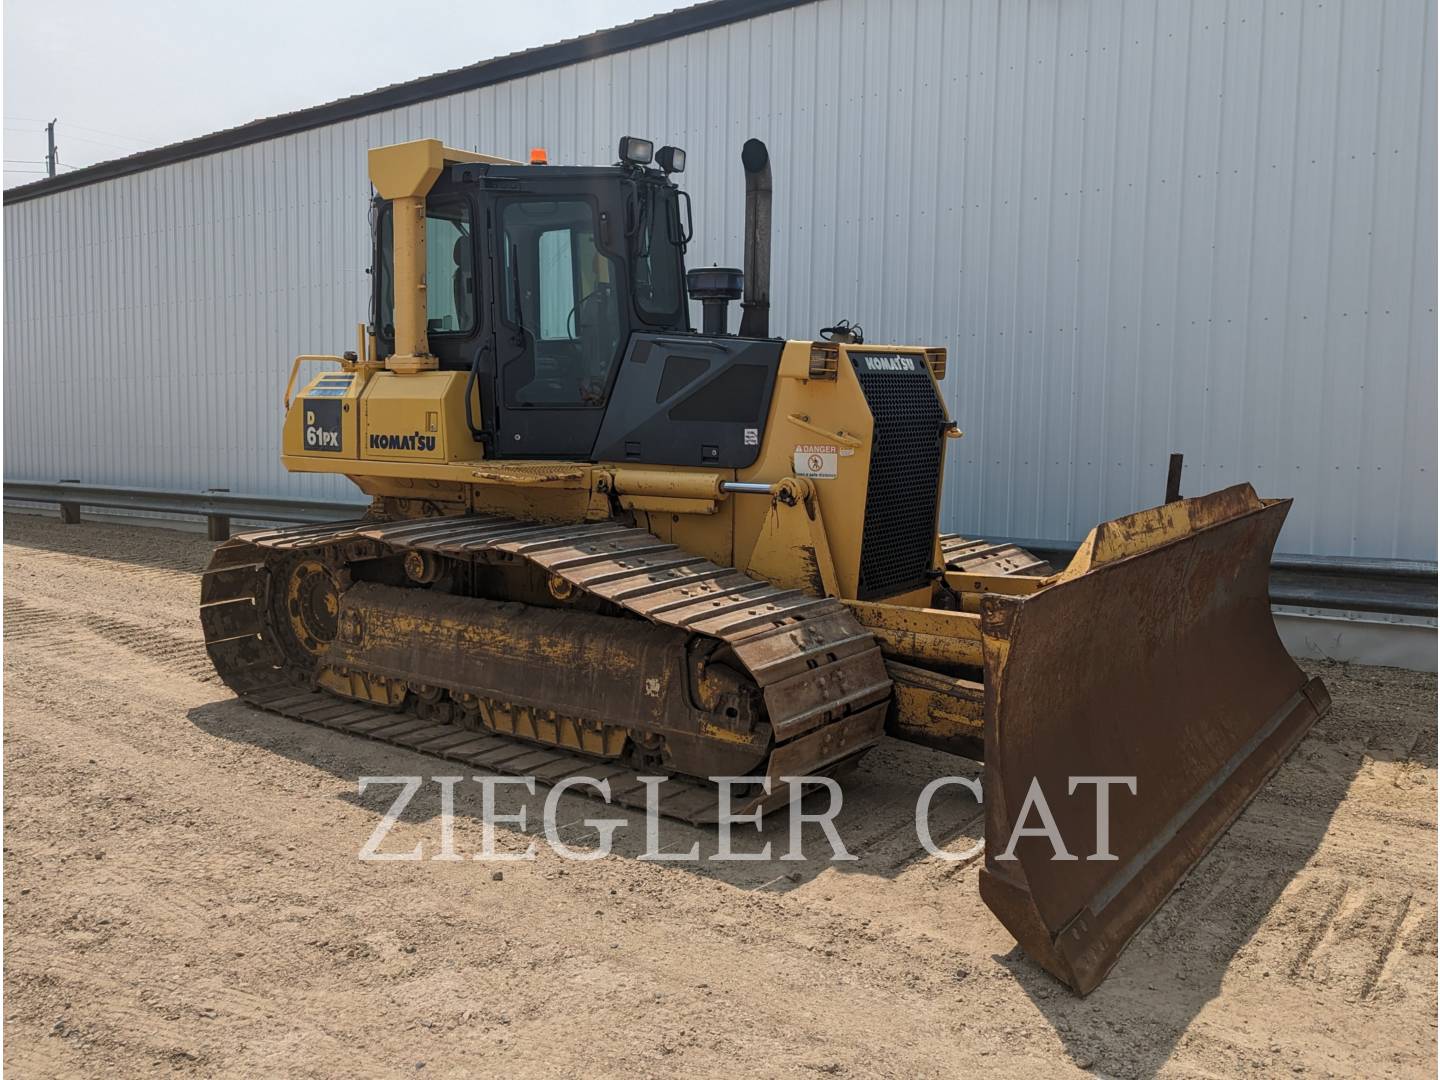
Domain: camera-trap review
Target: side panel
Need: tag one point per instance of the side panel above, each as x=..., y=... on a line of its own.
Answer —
x=807, y=416
x=869, y=438
x=690, y=401
x=417, y=417
x=322, y=423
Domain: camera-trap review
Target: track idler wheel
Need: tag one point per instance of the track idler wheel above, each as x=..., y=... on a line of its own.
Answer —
x=309, y=602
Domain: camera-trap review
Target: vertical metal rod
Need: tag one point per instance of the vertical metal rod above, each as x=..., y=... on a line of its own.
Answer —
x=1172, y=481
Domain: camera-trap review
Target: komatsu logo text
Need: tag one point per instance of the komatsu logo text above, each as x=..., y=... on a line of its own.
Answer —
x=424, y=443
x=890, y=363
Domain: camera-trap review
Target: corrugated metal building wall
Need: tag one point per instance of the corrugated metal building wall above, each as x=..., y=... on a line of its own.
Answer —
x=1139, y=227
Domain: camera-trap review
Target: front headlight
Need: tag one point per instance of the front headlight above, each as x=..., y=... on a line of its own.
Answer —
x=671, y=159
x=637, y=151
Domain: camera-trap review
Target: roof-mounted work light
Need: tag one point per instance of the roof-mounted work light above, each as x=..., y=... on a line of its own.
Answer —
x=636, y=151
x=671, y=159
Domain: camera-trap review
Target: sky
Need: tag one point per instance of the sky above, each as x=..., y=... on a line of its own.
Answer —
x=123, y=77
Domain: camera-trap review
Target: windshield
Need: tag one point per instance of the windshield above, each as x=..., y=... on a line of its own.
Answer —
x=657, y=263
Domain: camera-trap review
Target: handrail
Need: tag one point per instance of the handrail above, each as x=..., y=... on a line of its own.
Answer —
x=295, y=369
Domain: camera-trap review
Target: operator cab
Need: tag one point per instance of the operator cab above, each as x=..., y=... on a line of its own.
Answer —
x=537, y=279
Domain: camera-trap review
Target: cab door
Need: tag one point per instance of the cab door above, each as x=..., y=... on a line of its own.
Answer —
x=559, y=328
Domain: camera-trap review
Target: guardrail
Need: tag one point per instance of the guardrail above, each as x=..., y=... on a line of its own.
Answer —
x=218, y=508
x=1337, y=582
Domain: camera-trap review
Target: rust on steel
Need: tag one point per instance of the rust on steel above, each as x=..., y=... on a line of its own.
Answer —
x=817, y=678
x=1155, y=657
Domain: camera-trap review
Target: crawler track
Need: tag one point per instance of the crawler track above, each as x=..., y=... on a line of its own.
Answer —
x=983, y=557
x=819, y=674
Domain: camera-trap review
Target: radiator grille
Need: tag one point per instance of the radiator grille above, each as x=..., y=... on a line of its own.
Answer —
x=897, y=547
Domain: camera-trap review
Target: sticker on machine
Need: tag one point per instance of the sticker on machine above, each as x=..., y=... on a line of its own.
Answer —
x=322, y=425
x=817, y=462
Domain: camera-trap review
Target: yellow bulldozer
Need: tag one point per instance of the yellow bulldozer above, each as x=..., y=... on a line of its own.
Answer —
x=602, y=542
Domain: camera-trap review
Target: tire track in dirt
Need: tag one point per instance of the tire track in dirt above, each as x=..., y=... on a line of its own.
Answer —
x=74, y=630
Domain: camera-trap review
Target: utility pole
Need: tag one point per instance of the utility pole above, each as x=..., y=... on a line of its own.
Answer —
x=50, y=156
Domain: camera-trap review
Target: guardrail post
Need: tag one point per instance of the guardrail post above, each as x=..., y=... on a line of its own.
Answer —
x=217, y=526
x=70, y=513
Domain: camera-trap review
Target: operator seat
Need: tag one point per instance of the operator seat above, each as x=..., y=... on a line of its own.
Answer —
x=464, y=280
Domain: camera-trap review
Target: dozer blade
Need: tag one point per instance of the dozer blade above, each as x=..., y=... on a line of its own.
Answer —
x=1153, y=656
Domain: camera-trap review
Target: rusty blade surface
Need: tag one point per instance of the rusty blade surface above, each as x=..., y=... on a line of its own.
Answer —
x=1155, y=656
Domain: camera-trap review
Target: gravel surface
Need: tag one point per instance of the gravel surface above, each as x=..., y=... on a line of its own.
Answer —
x=182, y=894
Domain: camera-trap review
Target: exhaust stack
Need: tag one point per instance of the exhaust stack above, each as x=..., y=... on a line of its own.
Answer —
x=755, y=307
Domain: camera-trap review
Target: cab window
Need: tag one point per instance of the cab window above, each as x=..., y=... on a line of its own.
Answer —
x=657, y=268
x=559, y=293
x=449, y=268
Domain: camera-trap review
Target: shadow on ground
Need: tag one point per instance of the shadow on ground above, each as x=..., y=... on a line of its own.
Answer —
x=875, y=824
x=167, y=545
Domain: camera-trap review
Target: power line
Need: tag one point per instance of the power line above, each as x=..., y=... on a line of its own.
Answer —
x=97, y=142
x=84, y=127
x=52, y=162
x=102, y=131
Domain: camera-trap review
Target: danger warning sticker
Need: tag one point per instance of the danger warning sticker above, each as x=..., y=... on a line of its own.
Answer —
x=817, y=462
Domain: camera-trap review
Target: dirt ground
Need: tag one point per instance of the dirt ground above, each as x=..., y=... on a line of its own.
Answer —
x=182, y=894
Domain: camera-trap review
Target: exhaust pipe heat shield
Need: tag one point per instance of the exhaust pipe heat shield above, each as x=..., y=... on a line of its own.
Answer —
x=1153, y=656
